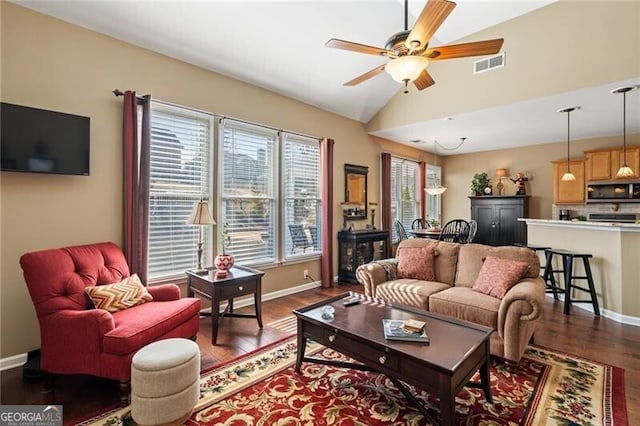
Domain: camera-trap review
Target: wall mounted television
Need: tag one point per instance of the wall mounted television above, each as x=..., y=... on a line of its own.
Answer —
x=40, y=141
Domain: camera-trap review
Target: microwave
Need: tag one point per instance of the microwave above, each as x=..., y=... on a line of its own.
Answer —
x=610, y=192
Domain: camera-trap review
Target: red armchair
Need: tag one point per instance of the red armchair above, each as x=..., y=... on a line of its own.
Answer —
x=75, y=337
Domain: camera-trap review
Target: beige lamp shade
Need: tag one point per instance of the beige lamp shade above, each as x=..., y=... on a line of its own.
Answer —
x=201, y=215
x=500, y=173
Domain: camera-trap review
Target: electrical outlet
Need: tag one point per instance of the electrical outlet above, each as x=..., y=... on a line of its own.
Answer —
x=305, y=273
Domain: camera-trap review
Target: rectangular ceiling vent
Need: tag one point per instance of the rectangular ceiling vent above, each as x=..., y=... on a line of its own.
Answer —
x=490, y=63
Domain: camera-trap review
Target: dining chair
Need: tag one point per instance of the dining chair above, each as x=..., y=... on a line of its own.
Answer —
x=420, y=224
x=400, y=231
x=473, y=228
x=455, y=231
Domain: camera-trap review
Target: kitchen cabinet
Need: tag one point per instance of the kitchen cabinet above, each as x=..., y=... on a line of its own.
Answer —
x=603, y=164
x=356, y=248
x=598, y=165
x=633, y=161
x=497, y=218
x=571, y=192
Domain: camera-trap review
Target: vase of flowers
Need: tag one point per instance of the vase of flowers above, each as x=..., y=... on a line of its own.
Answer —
x=224, y=261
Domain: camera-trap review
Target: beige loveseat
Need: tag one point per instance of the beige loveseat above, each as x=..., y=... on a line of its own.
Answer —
x=456, y=268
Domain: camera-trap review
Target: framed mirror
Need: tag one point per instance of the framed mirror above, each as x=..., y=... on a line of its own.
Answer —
x=355, y=191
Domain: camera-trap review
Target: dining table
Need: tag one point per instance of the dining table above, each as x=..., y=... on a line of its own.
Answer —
x=425, y=233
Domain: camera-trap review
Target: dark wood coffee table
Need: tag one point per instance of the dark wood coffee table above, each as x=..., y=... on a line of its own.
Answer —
x=457, y=349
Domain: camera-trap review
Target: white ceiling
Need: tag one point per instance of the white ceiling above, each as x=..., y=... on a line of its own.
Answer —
x=279, y=45
x=532, y=122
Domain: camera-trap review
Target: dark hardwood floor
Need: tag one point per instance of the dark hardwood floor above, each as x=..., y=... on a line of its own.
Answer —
x=579, y=334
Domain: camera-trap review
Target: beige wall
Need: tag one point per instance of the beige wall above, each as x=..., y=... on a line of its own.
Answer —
x=458, y=171
x=562, y=47
x=50, y=64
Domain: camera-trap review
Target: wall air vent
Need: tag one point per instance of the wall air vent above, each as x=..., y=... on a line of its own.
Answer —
x=492, y=62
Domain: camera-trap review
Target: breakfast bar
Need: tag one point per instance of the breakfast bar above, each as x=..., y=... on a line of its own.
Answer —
x=615, y=264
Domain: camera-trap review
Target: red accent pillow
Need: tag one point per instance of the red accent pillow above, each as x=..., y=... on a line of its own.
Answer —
x=498, y=275
x=416, y=263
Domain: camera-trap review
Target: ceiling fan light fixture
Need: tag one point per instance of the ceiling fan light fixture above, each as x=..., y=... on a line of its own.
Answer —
x=406, y=68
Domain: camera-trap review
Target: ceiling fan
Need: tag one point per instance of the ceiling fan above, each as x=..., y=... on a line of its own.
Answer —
x=410, y=52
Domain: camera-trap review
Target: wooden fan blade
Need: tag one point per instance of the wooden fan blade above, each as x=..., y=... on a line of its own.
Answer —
x=424, y=80
x=476, y=48
x=366, y=76
x=430, y=19
x=356, y=47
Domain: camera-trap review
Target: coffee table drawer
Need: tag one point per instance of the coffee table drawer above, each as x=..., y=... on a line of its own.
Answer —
x=369, y=354
x=238, y=289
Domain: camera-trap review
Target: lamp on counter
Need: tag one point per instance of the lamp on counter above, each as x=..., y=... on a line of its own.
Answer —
x=501, y=173
x=568, y=176
x=625, y=171
x=201, y=215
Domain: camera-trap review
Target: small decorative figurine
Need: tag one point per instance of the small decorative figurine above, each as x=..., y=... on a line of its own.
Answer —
x=519, y=182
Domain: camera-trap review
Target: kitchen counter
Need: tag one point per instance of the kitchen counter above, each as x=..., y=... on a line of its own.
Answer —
x=615, y=264
x=624, y=227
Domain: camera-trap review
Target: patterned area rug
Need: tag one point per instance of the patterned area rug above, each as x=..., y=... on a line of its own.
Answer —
x=262, y=388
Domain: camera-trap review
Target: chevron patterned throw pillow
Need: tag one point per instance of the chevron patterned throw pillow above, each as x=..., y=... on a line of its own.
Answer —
x=119, y=296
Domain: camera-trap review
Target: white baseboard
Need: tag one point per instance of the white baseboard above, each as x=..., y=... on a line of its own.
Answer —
x=13, y=361
x=623, y=319
x=18, y=360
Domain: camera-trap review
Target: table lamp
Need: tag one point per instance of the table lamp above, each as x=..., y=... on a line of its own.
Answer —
x=201, y=215
x=500, y=173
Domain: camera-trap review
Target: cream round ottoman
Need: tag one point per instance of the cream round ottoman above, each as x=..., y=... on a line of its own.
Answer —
x=165, y=382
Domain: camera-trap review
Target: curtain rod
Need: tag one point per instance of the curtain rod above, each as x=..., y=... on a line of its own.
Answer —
x=118, y=92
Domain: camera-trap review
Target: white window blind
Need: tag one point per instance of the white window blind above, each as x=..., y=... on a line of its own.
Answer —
x=405, y=203
x=248, y=193
x=179, y=177
x=301, y=195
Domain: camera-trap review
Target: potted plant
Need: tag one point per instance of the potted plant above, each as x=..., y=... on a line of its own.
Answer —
x=479, y=182
x=224, y=261
x=434, y=223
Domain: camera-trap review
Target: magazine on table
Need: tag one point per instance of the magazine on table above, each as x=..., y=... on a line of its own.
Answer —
x=395, y=330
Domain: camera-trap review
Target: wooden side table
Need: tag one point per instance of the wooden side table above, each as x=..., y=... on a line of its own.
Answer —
x=240, y=281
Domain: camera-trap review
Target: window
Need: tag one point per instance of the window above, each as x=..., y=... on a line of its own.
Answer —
x=301, y=195
x=266, y=193
x=405, y=203
x=249, y=191
x=179, y=177
x=434, y=176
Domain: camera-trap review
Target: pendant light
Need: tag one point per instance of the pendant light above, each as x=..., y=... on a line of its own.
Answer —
x=437, y=188
x=568, y=176
x=624, y=171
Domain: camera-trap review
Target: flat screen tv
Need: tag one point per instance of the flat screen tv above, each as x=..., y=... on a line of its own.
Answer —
x=40, y=141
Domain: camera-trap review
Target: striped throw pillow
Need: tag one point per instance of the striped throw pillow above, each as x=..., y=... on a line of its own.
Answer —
x=119, y=296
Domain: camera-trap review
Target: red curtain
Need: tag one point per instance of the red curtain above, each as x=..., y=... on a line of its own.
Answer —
x=136, y=158
x=422, y=184
x=385, y=194
x=326, y=169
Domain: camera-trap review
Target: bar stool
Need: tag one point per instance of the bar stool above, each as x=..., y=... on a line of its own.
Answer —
x=543, y=265
x=567, y=263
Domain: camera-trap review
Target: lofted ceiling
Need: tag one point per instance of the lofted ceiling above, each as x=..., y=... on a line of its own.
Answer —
x=279, y=45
